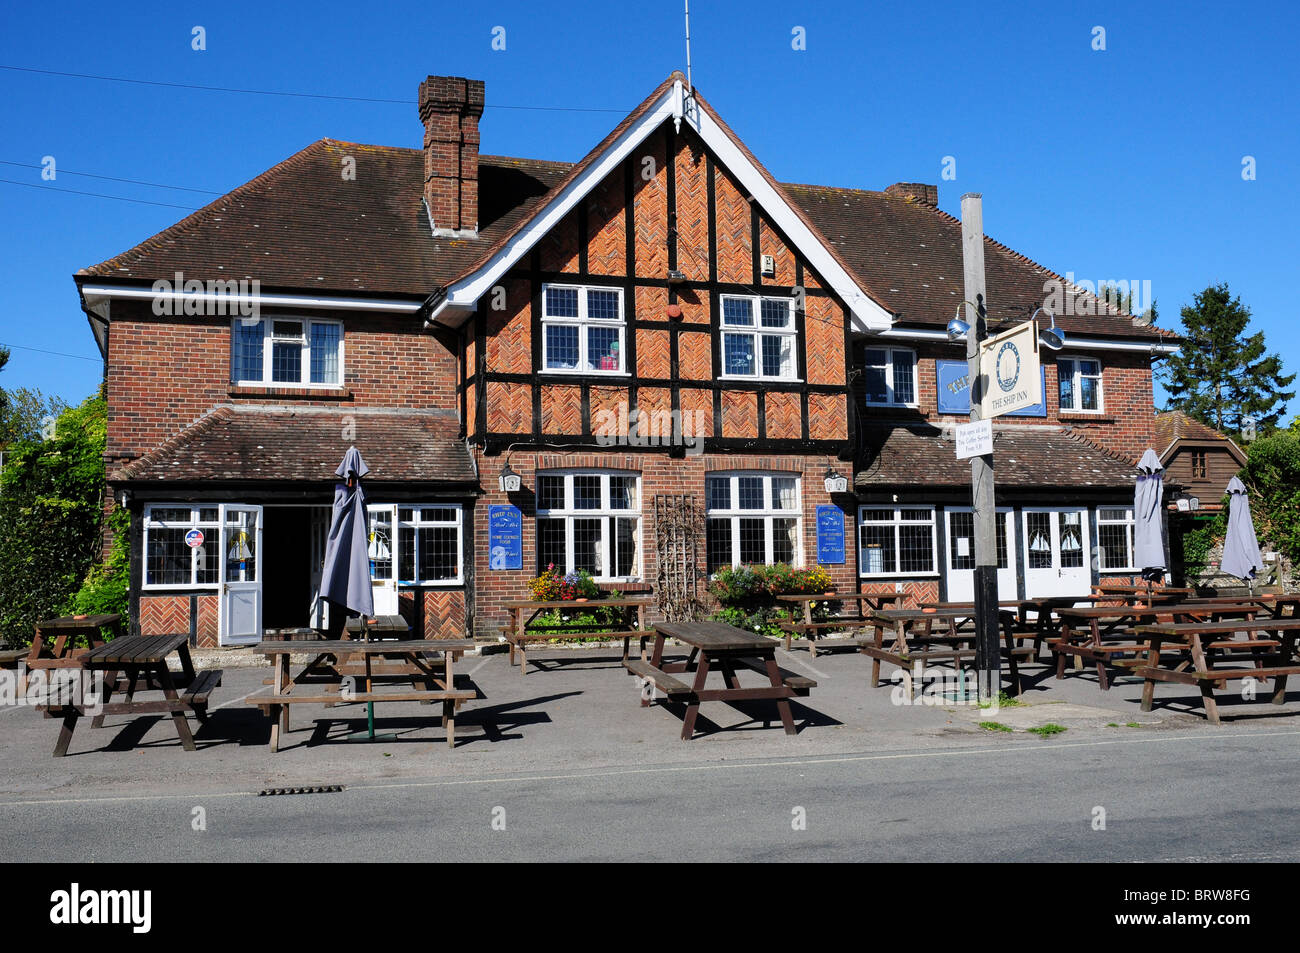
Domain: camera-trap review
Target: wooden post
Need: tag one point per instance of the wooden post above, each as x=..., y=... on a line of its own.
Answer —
x=987, y=657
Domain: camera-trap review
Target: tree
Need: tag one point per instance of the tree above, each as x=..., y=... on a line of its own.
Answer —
x=51, y=512
x=27, y=414
x=1222, y=375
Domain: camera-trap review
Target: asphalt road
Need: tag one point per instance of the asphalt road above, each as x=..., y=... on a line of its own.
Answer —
x=1167, y=796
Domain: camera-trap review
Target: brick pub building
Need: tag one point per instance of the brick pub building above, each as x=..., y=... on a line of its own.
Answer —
x=659, y=328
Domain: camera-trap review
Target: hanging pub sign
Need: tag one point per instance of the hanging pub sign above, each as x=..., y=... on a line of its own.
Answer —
x=505, y=538
x=1009, y=364
x=830, y=536
x=952, y=391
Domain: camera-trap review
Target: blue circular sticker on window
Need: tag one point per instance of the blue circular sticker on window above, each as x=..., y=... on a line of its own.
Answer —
x=1008, y=366
x=194, y=538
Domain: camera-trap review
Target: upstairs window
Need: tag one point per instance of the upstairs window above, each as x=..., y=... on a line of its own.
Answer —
x=891, y=377
x=1199, y=470
x=288, y=352
x=1080, y=384
x=582, y=330
x=758, y=337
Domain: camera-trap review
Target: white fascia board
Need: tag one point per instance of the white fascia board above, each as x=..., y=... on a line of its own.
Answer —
x=1071, y=342
x=462, y=297
x=867, y=315
x=391, y=305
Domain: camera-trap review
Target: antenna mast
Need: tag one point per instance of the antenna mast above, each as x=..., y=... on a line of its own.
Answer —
x=688, y=46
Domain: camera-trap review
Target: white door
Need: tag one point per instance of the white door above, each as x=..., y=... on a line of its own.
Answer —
x=320, y=526
x=383, y=558
x=961, y=554
x=1056, y=549
x=240, y=608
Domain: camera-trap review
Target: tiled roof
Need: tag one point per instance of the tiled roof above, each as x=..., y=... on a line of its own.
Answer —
x=1026, y=457
x=302, y=225
x=306, y=444
x=1176, y=425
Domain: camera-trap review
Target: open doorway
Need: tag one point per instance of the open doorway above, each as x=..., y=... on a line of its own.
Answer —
x=291, y=572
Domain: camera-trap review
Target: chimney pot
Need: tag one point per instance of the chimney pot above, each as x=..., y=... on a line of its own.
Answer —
x=450, y=108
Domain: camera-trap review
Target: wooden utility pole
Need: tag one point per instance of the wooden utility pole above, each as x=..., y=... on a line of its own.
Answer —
x=988, y=659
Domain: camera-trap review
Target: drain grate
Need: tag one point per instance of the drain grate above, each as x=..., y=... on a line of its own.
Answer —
x=315, y=789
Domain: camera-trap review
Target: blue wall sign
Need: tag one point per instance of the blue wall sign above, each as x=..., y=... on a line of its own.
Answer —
x=953, y=391
x=830, y=535
x=505, y=537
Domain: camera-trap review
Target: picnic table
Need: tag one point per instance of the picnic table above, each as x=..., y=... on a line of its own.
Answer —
x=724, y=647
x=811, y=630
x=379, y=626
x=920, y=635
x=523, y=612
x=1201, y=648
x=1148, y=594
x=1091, y=632
x=325, y=680
x=125, y=663
x=55, y=643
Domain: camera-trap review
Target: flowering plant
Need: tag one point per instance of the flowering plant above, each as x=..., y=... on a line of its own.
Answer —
x=554, y=586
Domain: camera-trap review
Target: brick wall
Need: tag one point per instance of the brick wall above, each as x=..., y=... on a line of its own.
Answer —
x=164, y=373
x=660, y=474
x=1126, y=425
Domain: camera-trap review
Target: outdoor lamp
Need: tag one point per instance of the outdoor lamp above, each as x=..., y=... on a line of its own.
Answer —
x=1052, y=338
x=509, y=480
x=957, y=329
x=834, y=482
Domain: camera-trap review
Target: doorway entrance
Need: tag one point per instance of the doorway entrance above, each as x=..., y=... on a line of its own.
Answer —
x=1056, y=548
x=961, y=554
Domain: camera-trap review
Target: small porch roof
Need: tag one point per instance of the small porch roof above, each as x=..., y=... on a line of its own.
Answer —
x=254, y=443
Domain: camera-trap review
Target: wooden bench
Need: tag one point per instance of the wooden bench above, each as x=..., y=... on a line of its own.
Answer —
x=800, y=683
x=814, y=633
x=520, y=632
x=322, y=681
x=196, y=694
x=670, y=686
x=9, y=658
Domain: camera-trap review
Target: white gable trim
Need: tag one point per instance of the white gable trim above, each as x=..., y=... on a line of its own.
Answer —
x=461, y=298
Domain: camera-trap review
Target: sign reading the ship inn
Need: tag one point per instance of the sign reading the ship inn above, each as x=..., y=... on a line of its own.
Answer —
x=1009, y=366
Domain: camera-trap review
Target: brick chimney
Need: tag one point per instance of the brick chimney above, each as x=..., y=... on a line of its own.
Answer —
x=929, y=194
x=450, y=107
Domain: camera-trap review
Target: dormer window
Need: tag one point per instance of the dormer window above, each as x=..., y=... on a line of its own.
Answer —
x=286, y=352
x=582, y=330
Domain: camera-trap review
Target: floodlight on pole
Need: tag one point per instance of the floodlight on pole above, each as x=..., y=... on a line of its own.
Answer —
x=1052, y=338
x=957, y=328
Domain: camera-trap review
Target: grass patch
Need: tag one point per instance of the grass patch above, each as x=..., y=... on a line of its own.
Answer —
x=1047, y=730
x=1132, y=724
x=994, y=726
x=1004, y=701
x=1112, y=724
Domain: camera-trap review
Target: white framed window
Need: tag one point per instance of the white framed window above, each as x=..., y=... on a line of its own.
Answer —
x=1115, y=539
x=891, y=376
x=896, y=541
x=1079, y=384
x=590, y=519
x=286, y=352
x=758, y=338
x=430, y=544
x=582, y=330
x=170, y=562
x=752, y=518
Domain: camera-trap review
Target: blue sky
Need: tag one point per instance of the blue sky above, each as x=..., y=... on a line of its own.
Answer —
x=1117, y=164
